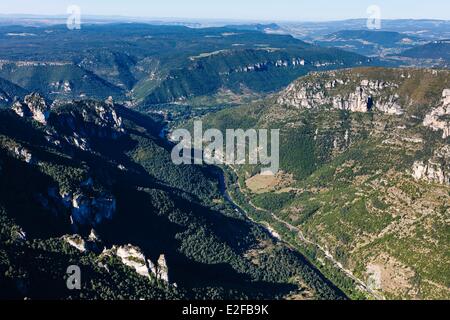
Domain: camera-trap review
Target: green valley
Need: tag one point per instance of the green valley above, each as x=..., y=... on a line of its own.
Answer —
x=365, y=176
x=106, y=197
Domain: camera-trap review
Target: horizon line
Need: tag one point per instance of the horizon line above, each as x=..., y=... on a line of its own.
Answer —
x=191, y=19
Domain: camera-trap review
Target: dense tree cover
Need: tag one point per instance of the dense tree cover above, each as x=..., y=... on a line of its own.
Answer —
x=48, y=79
x=352, y=176
x=158, y=64
x=160, y=207
x=37, y=269
x=207, y=74
x=8, y=92
x=309, y=274
x=433, y=50
x=273, y=201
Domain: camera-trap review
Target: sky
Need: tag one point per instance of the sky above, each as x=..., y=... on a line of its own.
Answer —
x=264, y=10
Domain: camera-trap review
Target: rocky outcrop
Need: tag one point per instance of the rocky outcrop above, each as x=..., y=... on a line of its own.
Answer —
x=109, y=116
x=439, y=118
x=90, y=120
x=91, y=244
x=76, y=241
x=4, y=99
x=133, y=257
x=436, y=169
x=21, y=109
x=160, y=269
x=52, y=137
x=33, y=106
x=20, y=152
x=61, y=86
x=93, y=236
x=77, y=141
x=19, y=234
x=24, y=154
x=87, y=208
x=264, y=66
x=77, y=126
x=362, y=96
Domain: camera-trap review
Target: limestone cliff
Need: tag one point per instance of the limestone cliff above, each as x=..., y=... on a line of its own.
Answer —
x=439, y=117
x=33, y=106
x=436, y=169
x=133, y=257
x=360, y=95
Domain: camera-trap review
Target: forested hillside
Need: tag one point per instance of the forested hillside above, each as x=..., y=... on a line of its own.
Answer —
x=106, y=197
x=144, y=64
x=365, y=174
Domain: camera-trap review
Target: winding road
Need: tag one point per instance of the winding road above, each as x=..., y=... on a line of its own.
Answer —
x=301, y=236
x=327, y=254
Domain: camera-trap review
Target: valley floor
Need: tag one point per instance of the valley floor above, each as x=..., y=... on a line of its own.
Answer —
x=299, y=243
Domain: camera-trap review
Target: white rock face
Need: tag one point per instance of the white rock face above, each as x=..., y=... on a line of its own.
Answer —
x=61, y=86
x=432, y=172
x=109, y=116
x=263, y=65
x=38, y=108
x=66, y=199
x=366, y=96
x=95, y=120
x=4, y=98
x=390, y=106
x=160, y=269
x=35, y=106
x=20, y=234
x=21, y=153
x=20, y=109
x=93, y=236
x=133, y=257
x=81, y=209
x=90, y=244
x=446, y=97
x=24, y=154
x=436, y=170
x=77, y=141
x=435, y=120
x=419, y=170
x=77, y=242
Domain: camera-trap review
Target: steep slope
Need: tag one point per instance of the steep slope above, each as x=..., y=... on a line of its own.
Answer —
x=260, y=70
x=91, y=184
x=8, y=91
x=58, y=80
x=437, y=50
x=365, y=180
x=148, y=64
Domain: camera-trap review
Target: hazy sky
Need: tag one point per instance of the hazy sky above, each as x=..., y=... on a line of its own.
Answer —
x=237, y=9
